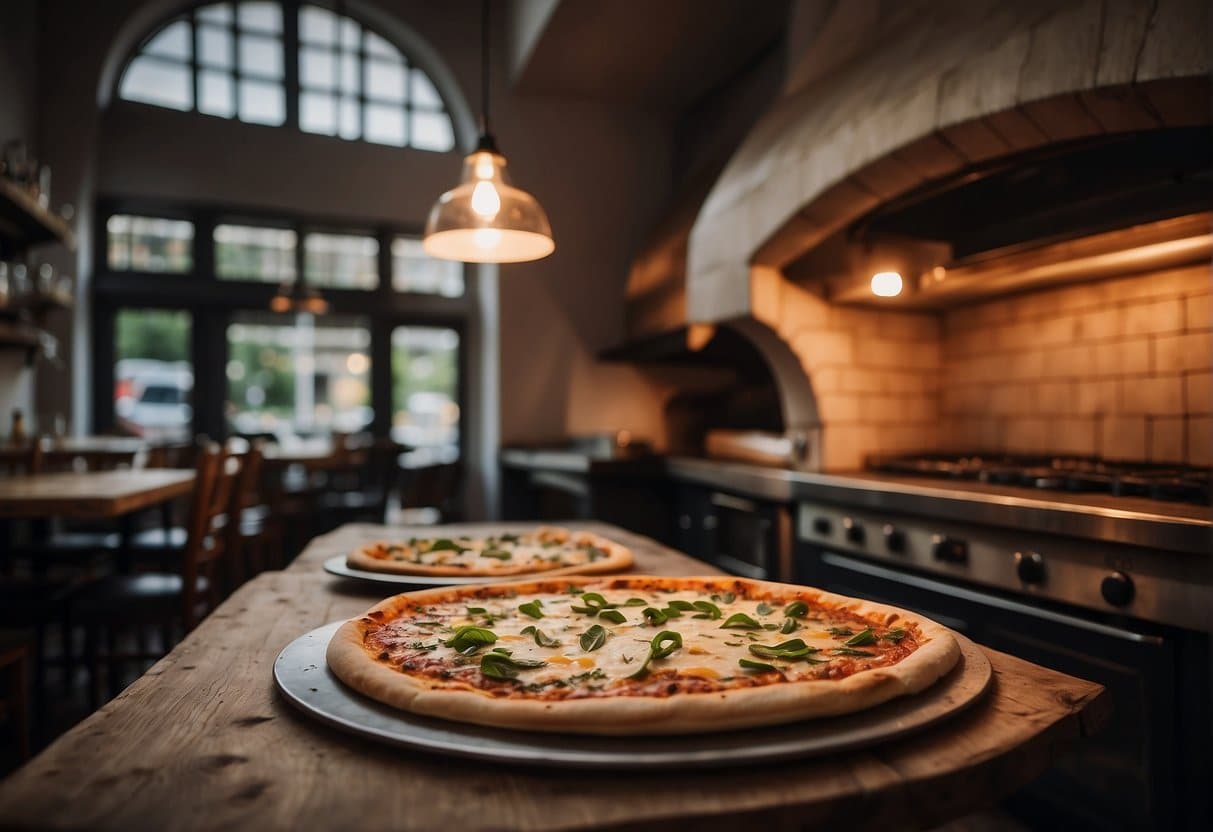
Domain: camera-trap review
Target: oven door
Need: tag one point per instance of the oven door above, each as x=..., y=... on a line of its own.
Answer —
x=1128, y=776
x=748, y=538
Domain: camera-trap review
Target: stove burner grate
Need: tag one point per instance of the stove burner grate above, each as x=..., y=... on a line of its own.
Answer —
x=1073, y=474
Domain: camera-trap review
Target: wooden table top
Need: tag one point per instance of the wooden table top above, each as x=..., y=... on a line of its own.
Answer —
x=204, y=741
x=84, y=445
x=90, y=494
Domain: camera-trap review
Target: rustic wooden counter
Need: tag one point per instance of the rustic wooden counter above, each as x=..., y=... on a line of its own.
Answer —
x=204, y=741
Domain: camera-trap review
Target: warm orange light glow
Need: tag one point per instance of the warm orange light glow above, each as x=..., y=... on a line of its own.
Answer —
x=886, y=284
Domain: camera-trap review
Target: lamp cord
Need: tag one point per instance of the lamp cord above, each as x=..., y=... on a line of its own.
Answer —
x=484, y=67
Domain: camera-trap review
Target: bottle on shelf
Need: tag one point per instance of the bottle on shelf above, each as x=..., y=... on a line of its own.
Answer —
x=18, y=436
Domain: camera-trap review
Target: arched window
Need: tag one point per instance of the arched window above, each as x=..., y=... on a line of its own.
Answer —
x=285, y=63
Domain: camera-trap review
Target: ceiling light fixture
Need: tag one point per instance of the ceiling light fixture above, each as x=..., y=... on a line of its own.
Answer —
x=297, y=296
x=886, y=284
x=485, y=219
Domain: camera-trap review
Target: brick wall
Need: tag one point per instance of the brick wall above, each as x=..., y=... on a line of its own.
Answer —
x=1119, y=369
x=875, y=374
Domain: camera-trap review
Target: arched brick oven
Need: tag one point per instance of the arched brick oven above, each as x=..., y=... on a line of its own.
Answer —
x=956, y=88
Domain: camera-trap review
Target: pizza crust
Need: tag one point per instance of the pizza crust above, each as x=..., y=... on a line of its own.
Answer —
x=618, y=558
x=684, y=713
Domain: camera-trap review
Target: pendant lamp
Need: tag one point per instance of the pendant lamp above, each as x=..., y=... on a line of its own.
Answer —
x=485, y=219
x=297, y=296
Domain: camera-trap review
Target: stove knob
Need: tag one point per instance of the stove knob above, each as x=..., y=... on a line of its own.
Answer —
x=1117, y=589
x=1030, y=567
x=823, y=526
x=855, y=533
x=894, y=539
x=949, y=549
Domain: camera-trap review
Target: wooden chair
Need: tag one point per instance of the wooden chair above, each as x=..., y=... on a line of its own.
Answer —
x=14, y=696
x=27, y=459
x=434, y=488
x=161, y=600
x=76, y=543
x=377, y=475
x=254, y=540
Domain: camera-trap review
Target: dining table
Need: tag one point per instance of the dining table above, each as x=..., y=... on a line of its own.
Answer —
x=118, y=495
x=91, y=495
x=204, y=740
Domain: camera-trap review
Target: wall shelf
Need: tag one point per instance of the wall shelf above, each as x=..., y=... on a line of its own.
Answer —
x=19, y=335
x=23, y=222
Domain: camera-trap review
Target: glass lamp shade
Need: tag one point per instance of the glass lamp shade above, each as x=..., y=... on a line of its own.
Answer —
x=485, y=219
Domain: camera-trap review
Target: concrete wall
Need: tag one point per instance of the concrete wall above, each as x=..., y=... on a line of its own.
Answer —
x=18, y=38
x=601, y=173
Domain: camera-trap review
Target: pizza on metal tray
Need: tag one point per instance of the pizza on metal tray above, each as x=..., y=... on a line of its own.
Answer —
x=637, y=654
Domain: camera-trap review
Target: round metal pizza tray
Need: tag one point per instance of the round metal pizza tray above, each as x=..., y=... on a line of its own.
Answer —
x=337, y=566
x=304, y=679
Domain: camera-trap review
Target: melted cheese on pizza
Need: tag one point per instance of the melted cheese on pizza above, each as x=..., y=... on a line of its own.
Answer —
x=630, y=642
x=542, y=549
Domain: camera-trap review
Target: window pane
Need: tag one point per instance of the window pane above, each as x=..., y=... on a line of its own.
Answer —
x=351, y=118
x=153, y=81
x=261, y=56
x=432, y=131
x=153, y=378
x=318, y=113
x=317, y=68
x=265, y=17
x=342, y=261
x=351, y=78
x=149, y=244
x=385, y=125
x=421, y=91
x=262, y=103
x=298, y=376
x=415, y=271
x=220, y=13
x=317, y=26
x=425, y=392
x=215, y=47
x=376, y=45
x=350, y=33
x=385, y=81
x=244, y=252
x=215, y=94
x=173, y=41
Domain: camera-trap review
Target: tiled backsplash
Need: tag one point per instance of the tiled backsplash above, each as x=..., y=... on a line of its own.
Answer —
x=1116, y=368
x=1120, y=369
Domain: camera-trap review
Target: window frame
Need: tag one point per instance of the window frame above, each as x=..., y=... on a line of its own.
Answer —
x=292, y=86
x=212, y=300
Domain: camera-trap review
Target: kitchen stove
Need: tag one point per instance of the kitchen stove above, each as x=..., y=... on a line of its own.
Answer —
x=1101, y=570
x=1169, y=483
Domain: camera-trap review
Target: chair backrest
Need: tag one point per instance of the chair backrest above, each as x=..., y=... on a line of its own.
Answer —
x=20, y=460
x=172, y=455
x=216, y=472
x=57, y=459
x=433, y=486
x=244, y=494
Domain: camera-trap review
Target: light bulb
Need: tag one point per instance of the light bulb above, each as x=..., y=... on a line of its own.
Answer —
x=485, y=200
x=484, y=167
x=486, y=238
x=886, y=284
